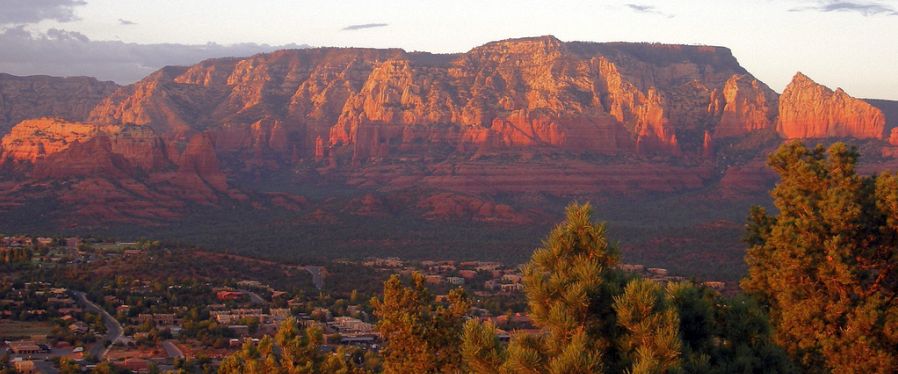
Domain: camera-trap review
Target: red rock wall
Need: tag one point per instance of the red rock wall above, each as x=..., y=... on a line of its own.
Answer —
x=810, y=110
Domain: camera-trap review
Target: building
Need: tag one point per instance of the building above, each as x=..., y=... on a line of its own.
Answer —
x=433, y=279
x=136, y=365
x=456, y=281
x=79, y=328
x=513, y=287
x=234, y=315
x=25, y=367
x=632, y=268
x=467, y=274
x=715, y=285
x=279, y=314
x=351, y=326
x=226, y=295
x=24, y=347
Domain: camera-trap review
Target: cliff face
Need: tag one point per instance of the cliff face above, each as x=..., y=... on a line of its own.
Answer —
x=113, y=173
x=23, y=98
x=607, y=99
x=810, y=110
x=533, y=115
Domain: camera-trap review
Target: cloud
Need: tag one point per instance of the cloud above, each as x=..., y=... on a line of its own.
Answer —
x=866, y=8
x=364, y=26
x=125, y=22
x=66, y=53
x=647, y=9
x=20, y=12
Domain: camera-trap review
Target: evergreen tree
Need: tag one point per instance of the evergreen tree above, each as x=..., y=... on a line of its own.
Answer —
x=825, y=265
x=290, y=351
x=597, y=319
x=420, y=335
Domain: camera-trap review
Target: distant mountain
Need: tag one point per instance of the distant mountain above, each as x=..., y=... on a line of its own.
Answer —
x=72, y=98
x=502, y=134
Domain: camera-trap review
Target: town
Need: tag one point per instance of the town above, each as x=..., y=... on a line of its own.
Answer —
x=57, y=310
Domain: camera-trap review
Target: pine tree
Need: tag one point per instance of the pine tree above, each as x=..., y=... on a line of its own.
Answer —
x=420, y=336
x=597, y=319
x=825, y=265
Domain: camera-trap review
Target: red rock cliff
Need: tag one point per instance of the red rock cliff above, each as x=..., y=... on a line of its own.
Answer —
x=533, y=93
x=810, y=110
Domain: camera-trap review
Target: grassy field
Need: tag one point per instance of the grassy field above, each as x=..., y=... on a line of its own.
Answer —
x=18, y=329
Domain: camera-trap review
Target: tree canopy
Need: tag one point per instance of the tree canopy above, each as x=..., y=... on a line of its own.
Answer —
x=825, y=263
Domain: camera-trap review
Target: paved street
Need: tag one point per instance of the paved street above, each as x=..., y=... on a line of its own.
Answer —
x=172, y=349
x=113, y=328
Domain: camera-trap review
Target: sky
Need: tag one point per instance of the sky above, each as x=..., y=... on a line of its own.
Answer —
x=852, y=44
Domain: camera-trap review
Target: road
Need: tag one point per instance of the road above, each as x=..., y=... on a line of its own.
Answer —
x=254, y=297
x=172, y=349
x=317, y=275
x=113, y=328
x=45, y=367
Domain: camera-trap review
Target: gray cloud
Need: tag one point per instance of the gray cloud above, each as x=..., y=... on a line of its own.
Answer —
x=364, y=26
x=866, y=8
x=647, y=9
x=66, y=53
x=19, y=12
x=125, y=22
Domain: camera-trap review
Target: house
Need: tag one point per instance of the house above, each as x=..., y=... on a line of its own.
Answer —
x=79, y=328
x=45, y=242
x=491, y=284
x=715, y=285
x=132, y=252
x=433, y=279
x=457, y=281
x=512, y=278
x=349, y=325
x=25, y=367
x=123, y=309
x=279, y=314
x=657, y=271
x=467, y=274
x=226, y=295
x=632, y=268
x=136, y=365
x=513, y=287
x=24, y=347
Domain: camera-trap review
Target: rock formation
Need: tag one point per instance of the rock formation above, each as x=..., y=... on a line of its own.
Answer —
x=451, y=131
x=72, y=98
x=810, y=110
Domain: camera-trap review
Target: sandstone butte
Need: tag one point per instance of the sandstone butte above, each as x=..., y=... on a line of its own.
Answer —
x=810, y=110
x=391, y=120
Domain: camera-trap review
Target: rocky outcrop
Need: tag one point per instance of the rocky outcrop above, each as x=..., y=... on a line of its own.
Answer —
x=744, y=105
x=113, y=173
x=533, y=93
x=71, y=99
x=810, y=110
x=443, y=135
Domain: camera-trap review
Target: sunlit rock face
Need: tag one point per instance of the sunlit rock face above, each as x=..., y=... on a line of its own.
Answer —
x=810, y=110
x=521, y=116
